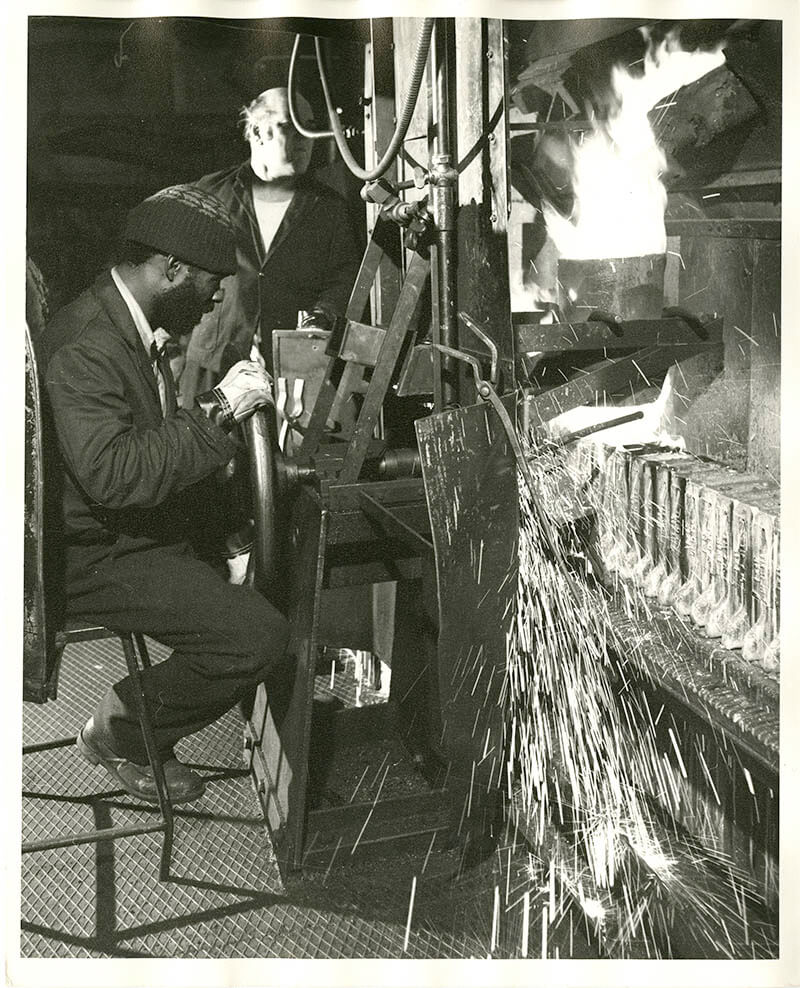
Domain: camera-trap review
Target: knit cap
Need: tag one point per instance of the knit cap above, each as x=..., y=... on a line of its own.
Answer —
x=188, y=222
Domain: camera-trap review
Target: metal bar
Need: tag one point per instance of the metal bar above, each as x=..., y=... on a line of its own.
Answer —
x=144, y=655
x=29, y=749
x=347, y=497
x=379, y=117
x=533, y=338
x=313, y=557
x=444, y=180
x=91, y=837
x=396, y=333
x=497, y=95
x=334, y=371
x=482, y=217
x=153, y=754
x=70, y=636
x=590, y=430
x=393, y=525
x=366, y=274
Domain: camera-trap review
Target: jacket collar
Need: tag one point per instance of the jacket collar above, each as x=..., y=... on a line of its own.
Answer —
x=118, y=312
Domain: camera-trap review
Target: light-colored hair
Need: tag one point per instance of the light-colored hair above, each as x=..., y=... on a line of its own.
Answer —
x=251, y=114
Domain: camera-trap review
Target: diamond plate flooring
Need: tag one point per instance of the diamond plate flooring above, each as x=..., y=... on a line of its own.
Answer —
x=226, y=898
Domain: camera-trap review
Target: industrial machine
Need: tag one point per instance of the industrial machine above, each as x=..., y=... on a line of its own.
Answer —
x=441, y=521
x=522, y=505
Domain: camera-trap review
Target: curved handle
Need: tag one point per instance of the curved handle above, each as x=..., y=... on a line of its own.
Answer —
x=260, y=434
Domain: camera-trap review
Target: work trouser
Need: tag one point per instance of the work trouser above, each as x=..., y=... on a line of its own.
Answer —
x=225, y=639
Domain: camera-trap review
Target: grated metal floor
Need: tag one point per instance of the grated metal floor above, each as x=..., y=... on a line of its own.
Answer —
x=226, y=899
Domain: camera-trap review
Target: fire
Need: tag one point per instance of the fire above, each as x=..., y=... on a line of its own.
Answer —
x=617, y=167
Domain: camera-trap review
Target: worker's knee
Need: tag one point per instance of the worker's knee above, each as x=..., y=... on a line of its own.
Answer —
x=261, y=636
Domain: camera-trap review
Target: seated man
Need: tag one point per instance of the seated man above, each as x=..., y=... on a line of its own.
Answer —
x=138, y=473
x=294, y=245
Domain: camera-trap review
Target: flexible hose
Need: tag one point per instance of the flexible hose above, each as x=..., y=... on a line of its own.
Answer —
x=367, y=175
x=313, y=134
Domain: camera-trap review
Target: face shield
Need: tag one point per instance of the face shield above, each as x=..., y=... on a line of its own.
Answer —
x=277, y=150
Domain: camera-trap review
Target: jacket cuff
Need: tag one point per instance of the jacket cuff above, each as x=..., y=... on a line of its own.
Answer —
x=217, y=408
x=320, y=316
x=239, y=542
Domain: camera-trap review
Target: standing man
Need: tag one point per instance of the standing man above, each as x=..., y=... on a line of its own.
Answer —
x=138, y=477
x=295, y=250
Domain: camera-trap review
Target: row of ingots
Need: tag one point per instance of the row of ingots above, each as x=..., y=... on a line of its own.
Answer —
x=693, y=535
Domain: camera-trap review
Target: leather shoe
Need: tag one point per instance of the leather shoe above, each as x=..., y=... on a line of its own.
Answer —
x=183, y=784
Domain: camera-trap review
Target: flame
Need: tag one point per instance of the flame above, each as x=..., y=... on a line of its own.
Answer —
x=617, y=167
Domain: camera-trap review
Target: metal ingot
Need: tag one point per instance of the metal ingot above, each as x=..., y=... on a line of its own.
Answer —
x=739, y=621
x=627, y=287
x=634, y=522
x=662, y=518
x=649, y=548
x=761, y=634
x=657, y=523
x=614, y=513
x=772, y=653
x=677, y=569
x=684, y=598
x=706, y=547
x=720, y=611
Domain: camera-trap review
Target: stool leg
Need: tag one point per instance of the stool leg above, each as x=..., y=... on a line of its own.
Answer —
x=144, y=655
x=153, y=755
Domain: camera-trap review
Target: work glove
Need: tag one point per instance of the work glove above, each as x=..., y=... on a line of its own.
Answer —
x=318, y=318
x=246, y=387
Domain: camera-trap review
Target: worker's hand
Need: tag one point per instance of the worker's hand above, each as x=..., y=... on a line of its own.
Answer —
x=317, y=319
x=246, y=387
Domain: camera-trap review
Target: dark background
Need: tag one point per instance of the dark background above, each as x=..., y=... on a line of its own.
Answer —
x=120, y=107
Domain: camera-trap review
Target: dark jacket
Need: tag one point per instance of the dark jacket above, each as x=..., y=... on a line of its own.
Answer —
x=130, y=473
x=311, y=263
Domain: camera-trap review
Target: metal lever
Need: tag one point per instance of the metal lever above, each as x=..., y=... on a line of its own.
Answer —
x=489, y=343
x=610, y=319
x=481, y=386
x=692, y=321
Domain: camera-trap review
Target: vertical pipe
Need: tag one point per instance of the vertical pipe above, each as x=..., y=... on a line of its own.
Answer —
x=443, y=181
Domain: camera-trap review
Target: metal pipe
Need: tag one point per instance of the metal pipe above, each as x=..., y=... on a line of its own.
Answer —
x=337, y=132
x=399, y=463
x=443, y=184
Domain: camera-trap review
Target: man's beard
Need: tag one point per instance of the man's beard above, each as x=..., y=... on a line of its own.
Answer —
x=179, y=310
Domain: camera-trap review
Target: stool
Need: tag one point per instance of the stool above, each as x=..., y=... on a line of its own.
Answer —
x=130, y=644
